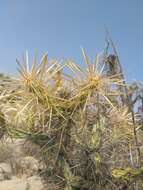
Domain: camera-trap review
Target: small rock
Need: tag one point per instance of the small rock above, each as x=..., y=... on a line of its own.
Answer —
x=4, y=176
x=1, y=175
x=5, y=171
x=5, y=167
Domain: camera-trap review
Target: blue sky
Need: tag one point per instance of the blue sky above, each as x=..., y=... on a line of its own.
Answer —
x=61, y=27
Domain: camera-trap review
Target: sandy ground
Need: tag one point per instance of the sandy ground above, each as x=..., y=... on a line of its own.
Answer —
x=32, y=183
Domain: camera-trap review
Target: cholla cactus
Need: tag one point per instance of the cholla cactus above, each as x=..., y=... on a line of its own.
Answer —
x=85, y=132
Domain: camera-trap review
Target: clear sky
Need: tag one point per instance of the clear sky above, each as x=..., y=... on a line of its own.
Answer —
x=61, y=27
